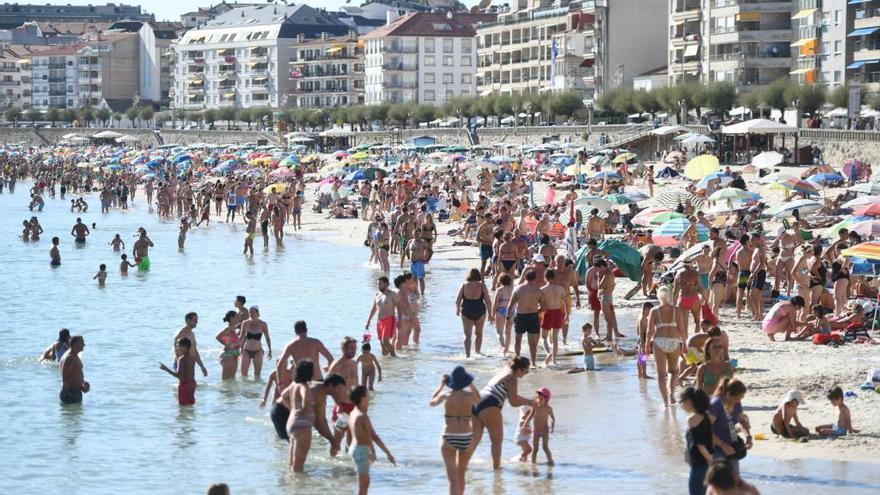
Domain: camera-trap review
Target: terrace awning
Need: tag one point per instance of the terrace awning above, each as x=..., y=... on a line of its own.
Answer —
x=691, y=50
x=861, y=63
x=802, y=71
x=804, y=13
x=862, y=32
x=748, y=16
x=335, y=49
x=802, y=42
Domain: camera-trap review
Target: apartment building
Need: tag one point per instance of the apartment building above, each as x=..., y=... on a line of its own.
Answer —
x=746, y=42
x=863, y=27
x=55, y=73
x=569, y=45
x=241, y=59
x=15, y=77
x=819, y=43
x=108, y=67
x=422, y=57
x=202, y=15
x=16, y=14
x=327, y=72
x=155, y=46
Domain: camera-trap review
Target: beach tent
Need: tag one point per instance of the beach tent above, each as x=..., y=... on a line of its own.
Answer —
x=666, y=173
x=758, y=126
x=669, y=129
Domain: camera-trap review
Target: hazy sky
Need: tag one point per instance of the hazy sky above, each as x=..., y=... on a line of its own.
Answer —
x=170, y=10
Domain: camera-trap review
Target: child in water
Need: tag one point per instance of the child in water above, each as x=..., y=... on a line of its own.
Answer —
x=185, y=374
x=524, y=433
x=124, y=265
x=101, y=276
x=117, y=243
x=587, y=344
x=369, y=365
x=843, y=425
x=544, y=422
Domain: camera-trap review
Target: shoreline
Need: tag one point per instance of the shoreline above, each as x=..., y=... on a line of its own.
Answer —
x=769, y=369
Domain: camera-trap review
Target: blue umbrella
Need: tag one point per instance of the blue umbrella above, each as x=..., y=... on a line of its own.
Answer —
x=563, y=161
x=355, y=176
x=826, y=178
x=181, y=158
x=607, y=175
x=677, y=226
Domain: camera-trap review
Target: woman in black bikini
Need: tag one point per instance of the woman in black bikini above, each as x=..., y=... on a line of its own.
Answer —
x=472, y=304
x=818, y=276
x=252, y=331
x=840, y=278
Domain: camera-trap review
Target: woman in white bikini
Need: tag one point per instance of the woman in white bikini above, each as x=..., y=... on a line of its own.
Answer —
x=800, y=273
x=666, y=337
x=787, y=243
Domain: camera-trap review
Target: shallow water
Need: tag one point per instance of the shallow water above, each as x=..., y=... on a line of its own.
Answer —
x=131, y=436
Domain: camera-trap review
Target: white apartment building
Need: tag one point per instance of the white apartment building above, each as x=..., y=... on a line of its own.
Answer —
x=586, y=46
x=240, y=59
x=863, y=42
x=15, y=79
x=55, y=78
x=819, y=45
x=746, y=42
x=327, y=72
x=425, y=58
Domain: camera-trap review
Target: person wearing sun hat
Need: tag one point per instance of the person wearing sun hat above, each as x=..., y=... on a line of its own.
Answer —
x=458, y=431
x=543, y=422
x=786, y=413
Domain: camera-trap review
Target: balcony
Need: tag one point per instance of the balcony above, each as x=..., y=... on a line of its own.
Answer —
x=10, y=83
x=683, y=11
x=399, y=84
x=682, y=39
x=401, y=49
x=870, y=51
x=259, y=53
x=9, y=69
x=866, y=18
x=399, y=66
x=723, y=36
x=728, y=7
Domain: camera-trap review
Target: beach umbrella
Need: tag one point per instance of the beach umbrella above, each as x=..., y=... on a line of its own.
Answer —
x=866, y=188
x=636, y=196
x=289, y=162
x=861, y=200
x=831, y=232
x=672, y=155
x=671, y=199
x=827, y=178
x=729, y=194
x=594, y=202
x=682, y=137
x=852, y=167
x=871, y=210
x=575, y=169
x=607, y=175
x=663, y=217
x=767, y=159
x=643, y=216
x=279, y=188
x=624, y=157
x=598, y=160
x=355, y=176
x=281, y=173
x=803, y=206
x=701, y=166
x=775, y=177
x=501, y=159
x=698, y=139
x=626, y=257
x=562, y=161
x=675, y=227
x=866, y=228
x=340, y=154
x=723, y=180
x=619, y=199
x=796, y=185
x=868, y=250
x=360, y=155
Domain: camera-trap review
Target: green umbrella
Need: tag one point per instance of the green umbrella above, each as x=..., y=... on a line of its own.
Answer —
x=455, y=149
x=664, y=217
x=626, y=257
x=619, y=199
x=371, y=172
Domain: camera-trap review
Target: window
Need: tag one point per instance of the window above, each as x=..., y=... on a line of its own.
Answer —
x=449, y=95
x=837, y=47
x=826, y=47
x=429, y=95
x=429, y=60
x=447, y=78
x=447, y=61
x=837, y=76
x=447, y=45
x=826, y=76
x=429, y=45
x=429, y=78
x=466, y=46
x=837, y=17
x=465, y=78
x=466, y=60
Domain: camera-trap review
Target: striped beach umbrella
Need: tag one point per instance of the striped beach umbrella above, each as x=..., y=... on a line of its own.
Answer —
x=671, y=199
x=861, y=200
x=866, y=228
x=643, y=217
x=619, y=199
x=802, y=206
x=677, y=226
x=871, y=210
x=868, y=250
x=729, y=194
x=796, y=185
x=663, y=217
x=866, y=188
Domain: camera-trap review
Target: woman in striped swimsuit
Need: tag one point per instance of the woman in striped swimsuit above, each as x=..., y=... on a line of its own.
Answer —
x=455, y=443
x=487, y=413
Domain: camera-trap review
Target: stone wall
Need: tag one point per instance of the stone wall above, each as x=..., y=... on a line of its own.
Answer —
x=838, y=146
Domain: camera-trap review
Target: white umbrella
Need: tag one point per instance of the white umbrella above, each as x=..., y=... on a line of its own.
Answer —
x=767, y=159
x=128, y=139
x=802, y=205
x=595, y=201
x=866, y=188
x=776, y=177
x=729, y=194
x=302, y=139
x=108, y=135
x=70, y=135
x=699, y=139
x=861, y=200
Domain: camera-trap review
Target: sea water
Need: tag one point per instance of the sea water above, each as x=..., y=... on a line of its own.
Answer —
x=130, y=436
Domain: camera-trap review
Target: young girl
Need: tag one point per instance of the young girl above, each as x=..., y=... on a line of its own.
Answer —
x=642, y=356
x=524, y=432
x=699, y=437
x=587, y=343
x=229, y=338
x=124, y=265
x=544, y=422
x=502, y=324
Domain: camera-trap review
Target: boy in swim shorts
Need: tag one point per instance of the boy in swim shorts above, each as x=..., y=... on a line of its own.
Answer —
x=843, y=425
x=365, y=436
x=185, y=374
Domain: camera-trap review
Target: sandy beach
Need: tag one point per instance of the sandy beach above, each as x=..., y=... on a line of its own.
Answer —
x=769, y=369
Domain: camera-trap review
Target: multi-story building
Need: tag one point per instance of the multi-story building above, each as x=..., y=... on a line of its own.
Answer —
x=156, y=40
x=819, y=42
x=202, y=15
x=569, y=45
x=108, y=67
x=746, y=42
x=241, y=58
x=15, y=79
x=55, y=78
x=421, y=57
x=863, y=43
x=327, y=72
x=16, y=14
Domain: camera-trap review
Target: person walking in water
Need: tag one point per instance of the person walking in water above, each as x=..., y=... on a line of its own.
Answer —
x=387, y=303
x=141, y=250
x=73, y=383
x=185, y=374
x=79, y=231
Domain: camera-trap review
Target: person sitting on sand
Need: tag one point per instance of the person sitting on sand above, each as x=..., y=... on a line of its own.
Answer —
x=786, y=413
x=843, y=425
x=853, y=318
x=815, y=323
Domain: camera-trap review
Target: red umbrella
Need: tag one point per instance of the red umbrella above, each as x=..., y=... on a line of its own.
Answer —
x=870, y=210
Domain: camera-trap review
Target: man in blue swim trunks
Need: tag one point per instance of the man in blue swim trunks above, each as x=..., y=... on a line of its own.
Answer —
x=485, y=236
x=418, y=253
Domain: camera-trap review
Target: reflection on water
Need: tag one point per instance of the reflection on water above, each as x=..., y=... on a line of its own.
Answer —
x=613, y=434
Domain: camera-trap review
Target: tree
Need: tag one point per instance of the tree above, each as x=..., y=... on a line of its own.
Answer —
x=52, y=115
x=245, y=115
x=774, y=95
x=13, y=115
x=132, y=114
x=720, y=97
x=810, y=98
x=379, y=113
x=647, y=101
x=874, y=102
x=210, y=116
x=68, y=115
x=566, y=104
x=86, y=115
x=227, y=114
x=752, y=101
x=424, y=113
x=607, y=102
x=503, y=105
x=399, y=114
x=146, y=114
x=839, y=97
x=103, y=114
x=117, y=118
x=34, y=115
x=624, y=102
x=262, y=116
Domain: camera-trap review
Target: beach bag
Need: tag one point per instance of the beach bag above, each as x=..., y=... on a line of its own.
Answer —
x=739, y=447
x=827, y=338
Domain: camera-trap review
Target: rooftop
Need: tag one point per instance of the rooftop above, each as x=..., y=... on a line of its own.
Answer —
x=270, y=14
x=426, y=24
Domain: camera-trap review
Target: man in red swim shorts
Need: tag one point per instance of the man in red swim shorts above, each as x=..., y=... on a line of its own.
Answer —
x=591, y=280
x=556, y=306
x=185, y=374
x=387, y=303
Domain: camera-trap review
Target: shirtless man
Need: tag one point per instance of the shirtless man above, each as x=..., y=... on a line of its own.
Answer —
x=508, y=255
x=387, y=303
x=591, y=280
x=595, y=225
x=606, y=296
x=335, y=387
x=190, y=321
x=567, y=277
x=305, y=347
x=418, y=255
x=485, y=238
x=73, y=384
x=141, y=252
x=526, y=303
x=743, y=257
x=346, y=367
x=557, y=306
x=79, y=231
x=652, y=256
x=54, y=253
x=703, y=263
x=686, y=292
x=757, y=279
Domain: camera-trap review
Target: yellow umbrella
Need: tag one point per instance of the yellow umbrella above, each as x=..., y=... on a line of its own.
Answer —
x=361, y=155
x=574, y=169
x=700, y=167
x=279, y=187
x=624, y=157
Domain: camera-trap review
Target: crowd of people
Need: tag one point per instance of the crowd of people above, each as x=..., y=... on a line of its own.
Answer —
x=535, y=262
